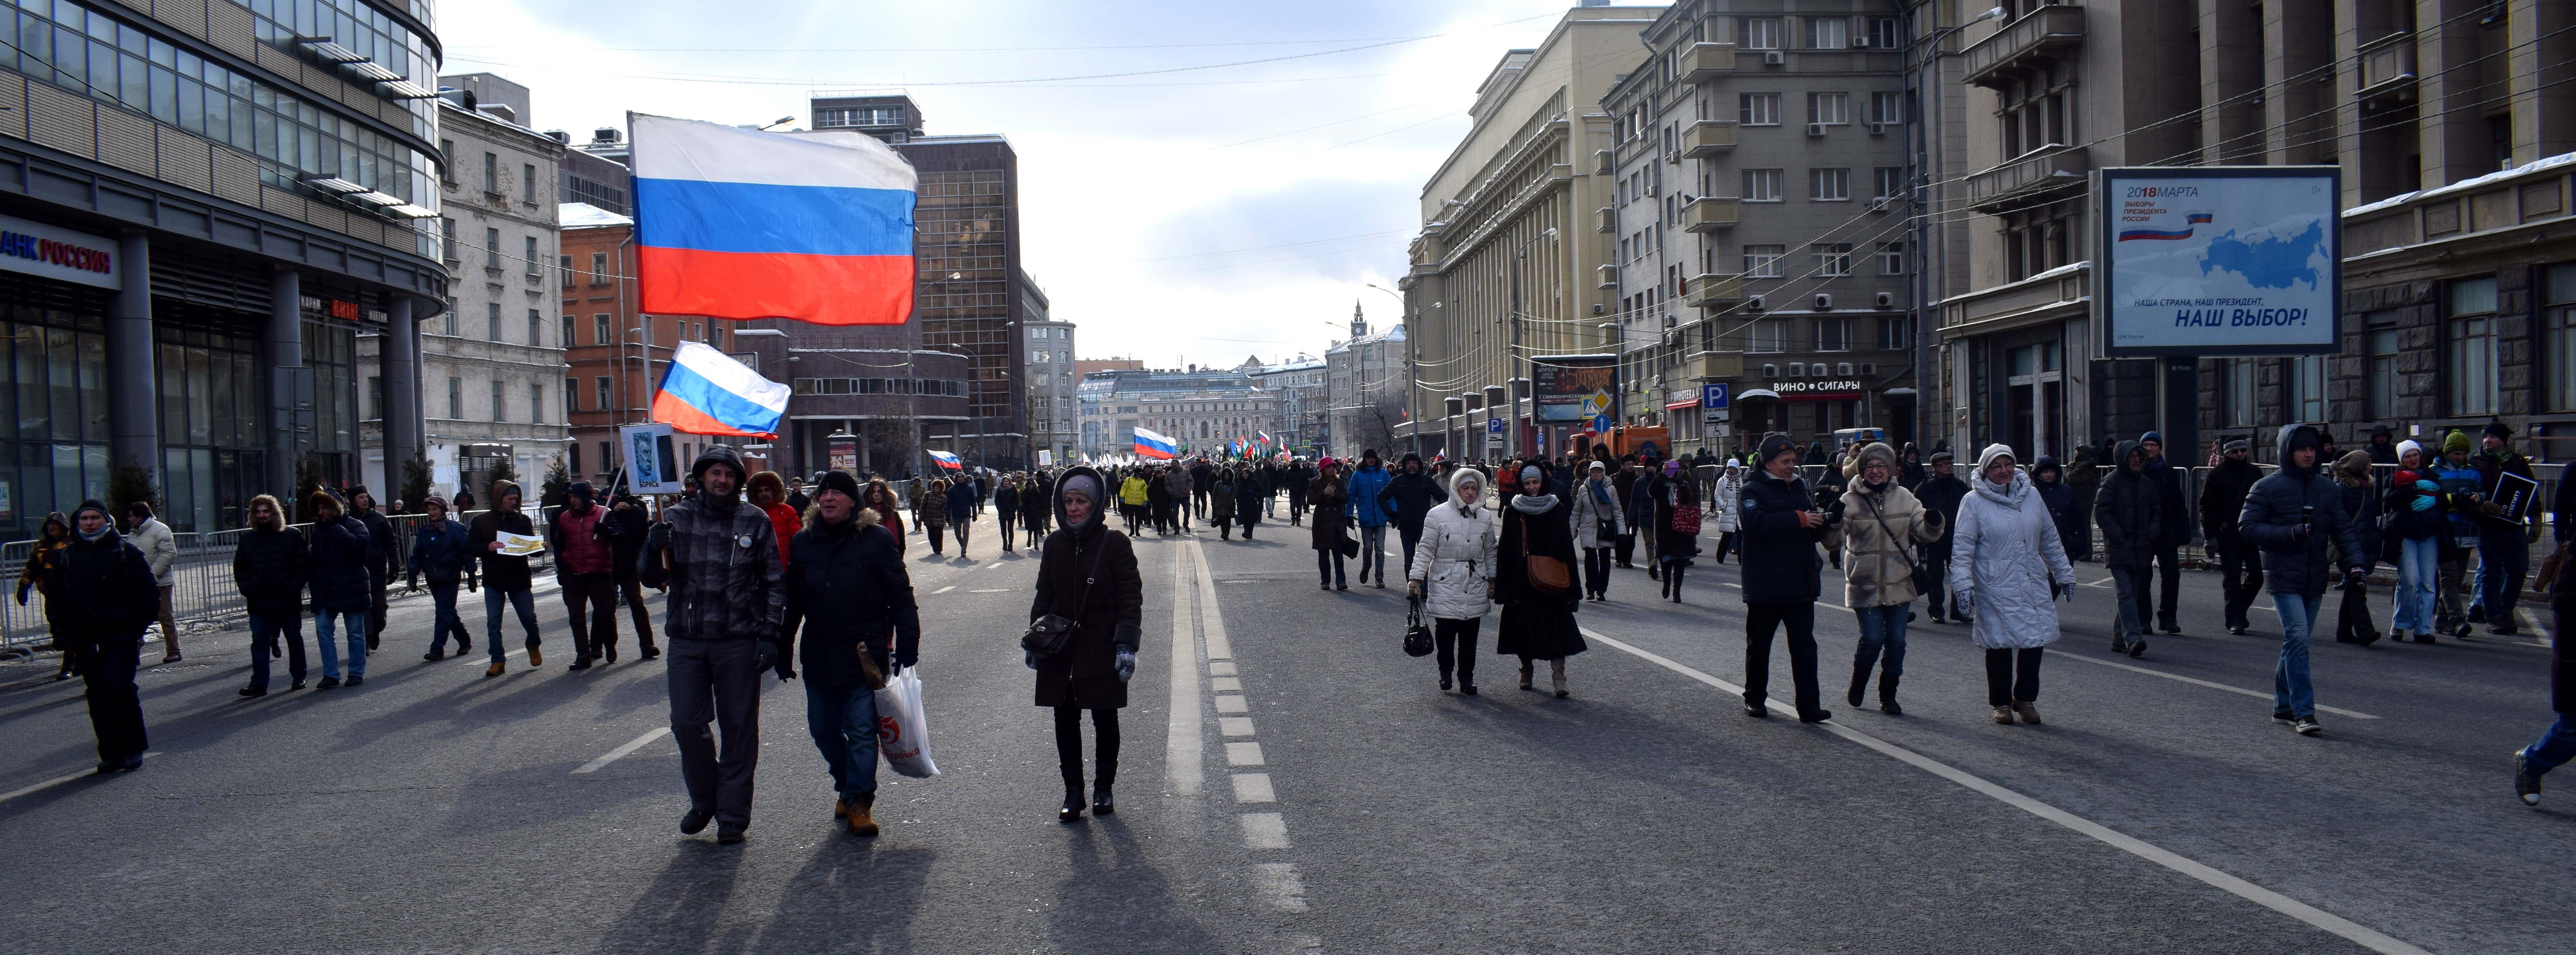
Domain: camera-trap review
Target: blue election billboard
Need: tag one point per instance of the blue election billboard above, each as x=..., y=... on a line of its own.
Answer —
x=2218, y=260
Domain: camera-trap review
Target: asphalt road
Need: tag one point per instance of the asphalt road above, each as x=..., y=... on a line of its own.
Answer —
x=1291, y=782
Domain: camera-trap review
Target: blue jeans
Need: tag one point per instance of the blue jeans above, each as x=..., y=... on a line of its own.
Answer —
x=2291, y=692
x=2554, y=749
x=1373, y=551
x=2504, y=559
x=1881, y=628
x=357, y=622
x=2419, y=564
x=844, y=723
x=527, y=607
x=444, y=595
x=266, y=627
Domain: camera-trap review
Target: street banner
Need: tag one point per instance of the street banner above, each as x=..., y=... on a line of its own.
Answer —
x=2219, y=260
x=737, y=223
x=652, y=467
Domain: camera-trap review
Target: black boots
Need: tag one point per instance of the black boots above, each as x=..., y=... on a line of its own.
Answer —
x=1887, y=695
x=1860, y=684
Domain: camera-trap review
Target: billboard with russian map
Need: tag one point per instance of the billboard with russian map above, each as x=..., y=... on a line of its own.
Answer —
x=2218, y=260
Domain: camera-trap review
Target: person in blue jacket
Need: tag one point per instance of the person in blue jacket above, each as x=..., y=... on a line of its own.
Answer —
x=2291, y=515
x=438, y=550
x=962, y=497
x=1363, y=508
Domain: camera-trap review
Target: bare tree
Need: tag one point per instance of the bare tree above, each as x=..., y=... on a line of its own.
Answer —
x=1377, y=420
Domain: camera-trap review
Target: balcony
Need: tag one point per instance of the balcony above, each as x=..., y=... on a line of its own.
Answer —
x=1708, y=137
x=2387, y=71
x=1716, y=365
x=1714, y=291
x=1609, y=276
x=2049, y=173
x=1707, y=61
x=1709, y=214
x=1605, y=220
x=2039, y=36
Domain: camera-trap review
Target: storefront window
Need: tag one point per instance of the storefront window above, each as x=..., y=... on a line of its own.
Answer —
x=212, y=442
x=2471, y=350
x=53, y=413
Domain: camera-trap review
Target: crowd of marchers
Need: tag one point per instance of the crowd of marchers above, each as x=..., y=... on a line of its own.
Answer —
x=762, y=576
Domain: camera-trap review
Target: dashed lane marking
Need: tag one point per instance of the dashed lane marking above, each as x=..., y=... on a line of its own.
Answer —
x=1253, y=787
x=1243, y=754
x=1230, y=703
x=996, y=565
x=620, y=753
x=1281, y=887
x=2328, y=921
x=2080, y=658
x=1264, y=830
x=486, y=661
x=945, y=589
x=1225, y=684
x=59, y=780
x=1234, y=726
x=993, y=590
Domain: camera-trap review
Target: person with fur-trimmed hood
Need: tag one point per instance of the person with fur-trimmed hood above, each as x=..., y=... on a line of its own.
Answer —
x=2292, y=514
x=1452, y=573
x=850, y=597
x=1883, y=525
x=769, y=493
x=1087, y=573
x=722, y=625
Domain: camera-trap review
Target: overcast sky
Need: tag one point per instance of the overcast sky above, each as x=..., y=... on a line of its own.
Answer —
x=1196, y=215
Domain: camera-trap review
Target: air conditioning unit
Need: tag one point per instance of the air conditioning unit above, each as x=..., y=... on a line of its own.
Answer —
x=1824, y=302
x=1654, y=190
x=1773, y=58
x=1868, y=368
x=1797, y=369
x=1753, y=303
x=1886, y=300
x=1770, y=371
x=1843, y=370
x=1815, y=129
x=1860, y=42
x=1879, y=204
x=1878, y=129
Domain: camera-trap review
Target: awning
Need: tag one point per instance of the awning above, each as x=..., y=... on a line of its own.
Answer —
x=1679, y=405
x=1756, y=393
x=1897, y=391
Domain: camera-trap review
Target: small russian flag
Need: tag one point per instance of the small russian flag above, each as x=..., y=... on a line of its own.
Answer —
x=734, y=223
x=1152, y=445
x=705, y=391
x=947, y=460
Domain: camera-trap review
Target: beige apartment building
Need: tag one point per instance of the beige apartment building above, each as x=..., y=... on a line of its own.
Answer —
x=1508, y=262
x=2452, y=126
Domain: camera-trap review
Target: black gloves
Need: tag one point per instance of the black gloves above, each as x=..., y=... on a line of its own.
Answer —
x=22, y=594
x=764, y=656
x=906, y=660
x=1126, y=664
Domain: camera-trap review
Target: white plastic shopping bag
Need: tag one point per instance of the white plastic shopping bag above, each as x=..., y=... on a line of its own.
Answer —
x=902, y=735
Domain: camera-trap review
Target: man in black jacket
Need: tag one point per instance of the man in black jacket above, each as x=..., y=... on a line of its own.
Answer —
x=2131, y=515
x=384, y=558
x=1782, y=578
x=1408, y=498
x=2222, y=497
x=2177, y=528
x=2292, y=515
x=2507, y=525
x=847, y=588
x=1300, y=475
x=719, y=555
x=271, y=562
x=1941, y=494
x=113, y=585
x=628, y=514
x=505, y=576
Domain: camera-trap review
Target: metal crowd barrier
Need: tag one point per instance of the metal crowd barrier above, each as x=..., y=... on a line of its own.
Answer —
x=202, y=585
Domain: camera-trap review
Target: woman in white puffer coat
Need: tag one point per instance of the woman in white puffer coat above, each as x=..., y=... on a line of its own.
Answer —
x=1453, y=574
x=1730, y=490
x=2007, y=563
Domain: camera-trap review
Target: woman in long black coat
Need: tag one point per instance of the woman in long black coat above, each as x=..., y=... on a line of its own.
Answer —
x=1088, y=574
x=1251, y=491
x=1537, y=625
x=1674, y=549
x=1331, y=524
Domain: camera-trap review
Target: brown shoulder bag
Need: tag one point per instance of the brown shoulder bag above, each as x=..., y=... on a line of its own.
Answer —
x=1547, y=575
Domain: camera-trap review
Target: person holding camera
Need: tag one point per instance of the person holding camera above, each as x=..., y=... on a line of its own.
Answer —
x=2292, y=514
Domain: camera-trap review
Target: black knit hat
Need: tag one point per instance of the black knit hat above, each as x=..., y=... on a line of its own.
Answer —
x=2499, y=430
x=837, y=481
x=1775, y=444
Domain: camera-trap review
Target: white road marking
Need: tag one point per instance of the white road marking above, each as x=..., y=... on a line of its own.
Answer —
x=1225, y=684
x=996, y=565
x=1264, y=830
x=1221, y=668
x=2240, y=888
x=620, y=753
x=2104, y=583
x=59, y=780
x=1280, y=886
x=1185, y=731
x=1231, y=704
x=1253, y=787
x=2080, y=658
x=945, y=589
x=1234, y=725
x=486, y=660
x=1211, y=619
x=995, y=590
x=1244, y=754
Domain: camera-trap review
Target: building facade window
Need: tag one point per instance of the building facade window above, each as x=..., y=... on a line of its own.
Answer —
x=456, y=399
x=492, y=173
x=607, y=457
x=1833, y=258
x=492, y=321
x=2035, y=113
x=447, y=240
x=1762, y=185
x=2037, y=240
x=1760, y=33
x=500, y=405
x=492, y=248
x=599, y=268
x=1771, y=335
x=536, y=328
x=563, y=264
x=528, y=185
x=1891, y=258
x=536, y=404
x=2307, y=391
x=1828, y=33
x=1831, y=109
x=1893, y=332
x=1763, y=261
x=567, y=331
x=572, y=400
x=2236, y=392
x=1883, y=35
x=2558, y=334
x=2383, y=363
x=1887, y=181
x=1758, y=109
x=1829, y=185
x=1833, y=334
x=2470, y=352
x=530, y=257
x=599, y=330
x=606, y=395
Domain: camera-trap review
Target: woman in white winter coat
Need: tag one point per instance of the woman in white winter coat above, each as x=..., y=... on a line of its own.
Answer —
x=1729, y=490
x=1597, y=526
x=2007, y=563
x=1453, y=574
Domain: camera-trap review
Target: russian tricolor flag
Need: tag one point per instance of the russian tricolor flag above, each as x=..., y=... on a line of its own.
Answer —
x=2191, y=220
x=947, y=460
x=735, y=223
x=1152, y=445
x=705, y=391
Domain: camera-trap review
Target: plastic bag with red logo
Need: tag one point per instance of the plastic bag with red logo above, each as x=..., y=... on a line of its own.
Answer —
x=902, y=735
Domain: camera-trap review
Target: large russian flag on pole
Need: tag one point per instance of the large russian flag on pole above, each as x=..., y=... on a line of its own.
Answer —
x=1153, y=445
x=735, y=223
x=705, y=391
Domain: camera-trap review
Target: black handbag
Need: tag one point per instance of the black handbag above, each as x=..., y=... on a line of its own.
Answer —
x=1417, y=635
x=1924, y=581
x=1048, y=634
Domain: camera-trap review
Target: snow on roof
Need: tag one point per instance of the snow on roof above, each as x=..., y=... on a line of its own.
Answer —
x=583, y=215
x=2536, y=165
